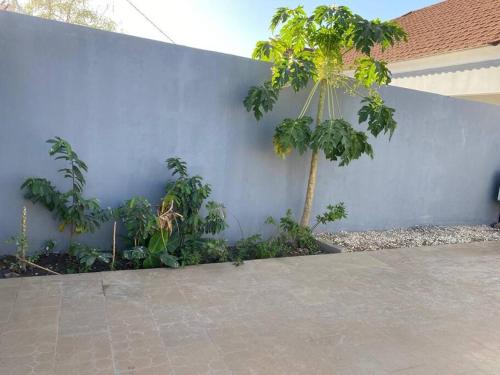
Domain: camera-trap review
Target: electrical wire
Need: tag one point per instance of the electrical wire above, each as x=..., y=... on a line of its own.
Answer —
x=149, y=20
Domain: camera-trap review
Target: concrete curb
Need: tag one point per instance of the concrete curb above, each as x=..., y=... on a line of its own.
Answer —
x=328, y=247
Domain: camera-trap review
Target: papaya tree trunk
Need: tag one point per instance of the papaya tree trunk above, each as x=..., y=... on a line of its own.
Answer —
x=313, y=169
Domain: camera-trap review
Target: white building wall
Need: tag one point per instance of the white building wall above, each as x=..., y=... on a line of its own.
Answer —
x=472, y=74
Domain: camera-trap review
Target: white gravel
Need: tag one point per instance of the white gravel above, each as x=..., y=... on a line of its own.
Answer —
x=411, y=237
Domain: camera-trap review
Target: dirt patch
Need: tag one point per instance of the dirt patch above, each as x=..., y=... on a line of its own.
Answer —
x=58, y=262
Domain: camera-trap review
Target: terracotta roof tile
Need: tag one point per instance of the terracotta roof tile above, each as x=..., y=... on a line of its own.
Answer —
x=450, y=25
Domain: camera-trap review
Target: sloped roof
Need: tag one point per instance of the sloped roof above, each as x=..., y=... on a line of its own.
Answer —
x=450, y=25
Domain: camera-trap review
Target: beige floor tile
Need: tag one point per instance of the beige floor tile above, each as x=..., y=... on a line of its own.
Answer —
x=88, y=349
x=164, y=369
x=136, y=344
x=408, y=311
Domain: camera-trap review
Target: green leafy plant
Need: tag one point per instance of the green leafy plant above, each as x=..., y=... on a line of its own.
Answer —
x=139, y=220
x=313, y=48
x=46, y=249
x=185, y=197
x=137, y=255
x=245, y=249
x=87, y=256
x=332, y=213
x=290, y=238
x=215, y=250
x=178, y=234
x=293, y=235
x=70, y=208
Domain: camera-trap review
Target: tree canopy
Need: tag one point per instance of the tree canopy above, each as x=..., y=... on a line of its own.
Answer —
x=78, y=12
x=313, y=48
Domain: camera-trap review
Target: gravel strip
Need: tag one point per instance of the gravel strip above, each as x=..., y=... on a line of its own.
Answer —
x=411, y=237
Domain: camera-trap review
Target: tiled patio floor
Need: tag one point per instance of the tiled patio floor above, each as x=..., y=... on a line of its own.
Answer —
x=407, y=311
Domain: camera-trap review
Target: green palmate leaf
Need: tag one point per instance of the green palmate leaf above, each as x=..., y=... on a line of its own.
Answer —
x=334, y=26
x=380, y=117
x=295, y=71
x=370, y=71
x=366, y=34
x=390, y=33
x=261, y=99
x=283, y=14
x=262, y=51
x=292, y=31
x=292, y=134
x=339, y=141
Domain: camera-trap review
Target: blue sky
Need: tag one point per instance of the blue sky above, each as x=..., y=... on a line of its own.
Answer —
x=229, y=26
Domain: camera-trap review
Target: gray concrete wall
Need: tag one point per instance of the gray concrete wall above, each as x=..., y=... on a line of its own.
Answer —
x=126, y=104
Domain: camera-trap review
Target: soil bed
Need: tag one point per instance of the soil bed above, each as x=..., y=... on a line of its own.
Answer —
x=411, y=237
x=58, y=262
x=65, y=264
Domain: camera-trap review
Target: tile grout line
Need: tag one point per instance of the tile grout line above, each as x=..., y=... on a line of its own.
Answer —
x=221, y=353
x=115, y=371
x=58, y=326
x=159, y=332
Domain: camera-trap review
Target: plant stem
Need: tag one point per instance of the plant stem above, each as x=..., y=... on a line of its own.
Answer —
x=313, y=169
x=23, y=240
x=114, y=246
x=37, y=266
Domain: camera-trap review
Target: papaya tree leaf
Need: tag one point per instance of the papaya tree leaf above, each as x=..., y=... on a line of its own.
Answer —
x=261, y=99
x=370, y=71
x=380, y=117
x=292, y=134
x=339, y=141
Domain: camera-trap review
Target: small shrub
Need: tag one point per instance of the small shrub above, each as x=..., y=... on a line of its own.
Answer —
x=245, y=249
x=290, y=237
x=176, y=235
x=215, y=250
x=136, y=255
x=87, y=256
x=139, y=220
x=186, y=196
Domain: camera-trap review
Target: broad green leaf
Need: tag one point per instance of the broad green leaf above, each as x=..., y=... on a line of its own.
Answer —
x=370, y=71
x=339, y=141
x=380, y=117
x=261, y=99
x=158, y=241
x=169, y=260
x=292, y=134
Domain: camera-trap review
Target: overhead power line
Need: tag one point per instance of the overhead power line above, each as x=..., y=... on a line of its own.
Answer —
x=149, y=20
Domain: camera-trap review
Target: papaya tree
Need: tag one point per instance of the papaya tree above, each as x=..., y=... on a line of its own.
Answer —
x=310, y=51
